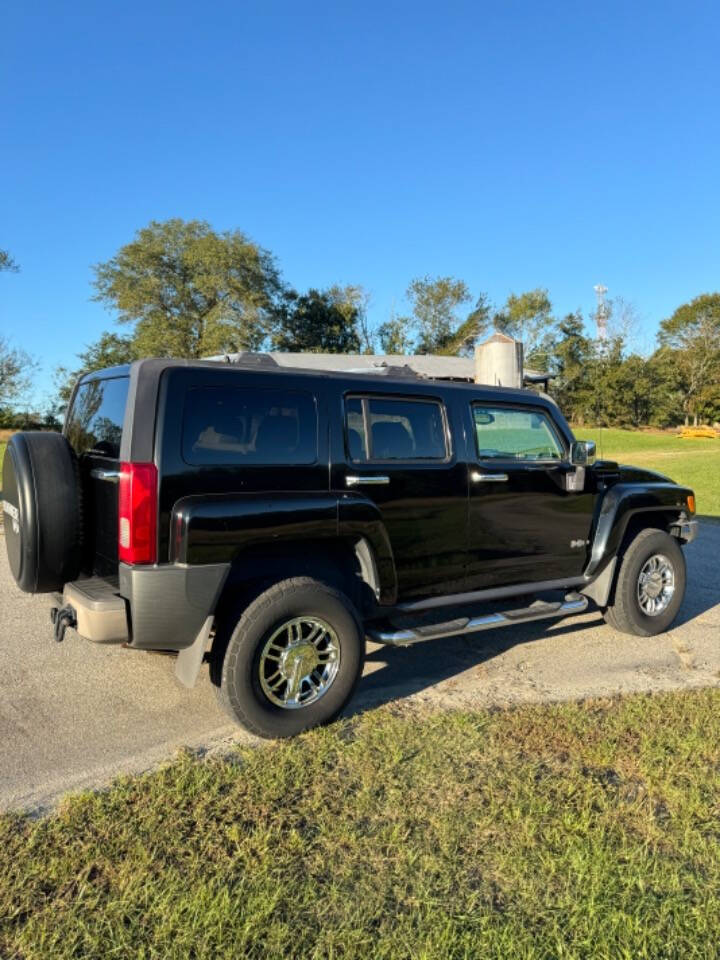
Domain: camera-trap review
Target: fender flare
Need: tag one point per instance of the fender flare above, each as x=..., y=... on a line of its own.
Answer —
x=620, y=504
x=360, y=521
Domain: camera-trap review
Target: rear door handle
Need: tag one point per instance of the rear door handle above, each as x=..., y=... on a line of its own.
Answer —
x=478, y=477
x=377, y=481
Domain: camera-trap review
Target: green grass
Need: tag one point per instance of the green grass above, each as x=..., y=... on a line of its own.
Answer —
x=566, y=831
x=692, y=462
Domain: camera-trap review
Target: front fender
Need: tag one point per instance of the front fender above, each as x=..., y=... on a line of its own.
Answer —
x=620, y=503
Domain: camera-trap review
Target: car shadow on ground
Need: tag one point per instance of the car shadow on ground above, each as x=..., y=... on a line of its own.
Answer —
x=396, y=672
x=695, y=604
x=393, y=673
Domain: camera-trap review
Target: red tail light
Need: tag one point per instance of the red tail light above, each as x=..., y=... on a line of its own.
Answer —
x=137, y=513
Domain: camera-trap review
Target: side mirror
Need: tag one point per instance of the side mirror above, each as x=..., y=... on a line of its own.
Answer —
x=582, y=453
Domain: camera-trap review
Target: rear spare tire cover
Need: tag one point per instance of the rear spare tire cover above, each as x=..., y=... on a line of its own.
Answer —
x=42, y=511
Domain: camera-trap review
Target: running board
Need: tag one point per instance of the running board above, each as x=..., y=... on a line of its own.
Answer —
x=451, y=628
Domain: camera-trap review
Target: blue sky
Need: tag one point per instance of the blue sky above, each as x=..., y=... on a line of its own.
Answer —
x=513, y=144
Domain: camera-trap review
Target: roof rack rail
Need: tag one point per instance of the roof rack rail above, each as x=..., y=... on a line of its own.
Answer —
x=248, y=359
x=420, y=367
x=389, y=370
x=265, y=361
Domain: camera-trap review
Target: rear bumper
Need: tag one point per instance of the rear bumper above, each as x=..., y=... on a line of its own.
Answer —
x=100, y=611
x=148, y=608
x=170, y=603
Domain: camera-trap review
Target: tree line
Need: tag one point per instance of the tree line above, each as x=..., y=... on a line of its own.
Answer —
x=182, y=289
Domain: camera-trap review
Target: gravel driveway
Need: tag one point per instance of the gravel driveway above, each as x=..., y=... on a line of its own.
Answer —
x=73, y=715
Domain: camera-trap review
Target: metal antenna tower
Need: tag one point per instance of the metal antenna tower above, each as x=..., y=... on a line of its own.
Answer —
x=601, y=314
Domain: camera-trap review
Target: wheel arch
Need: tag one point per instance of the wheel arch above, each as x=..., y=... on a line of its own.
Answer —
x=626, y=510
x=346, y=565
x=633, y=506
x=623, y=610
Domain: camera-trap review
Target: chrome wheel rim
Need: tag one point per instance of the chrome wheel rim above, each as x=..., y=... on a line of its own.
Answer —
x=656, y=585
x=299, y=663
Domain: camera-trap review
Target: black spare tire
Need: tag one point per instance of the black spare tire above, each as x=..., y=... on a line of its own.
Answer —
x=42, y=511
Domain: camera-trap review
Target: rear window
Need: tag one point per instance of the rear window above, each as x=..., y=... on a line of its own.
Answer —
x=249, y=426
x=94, y=422
x=381, y=428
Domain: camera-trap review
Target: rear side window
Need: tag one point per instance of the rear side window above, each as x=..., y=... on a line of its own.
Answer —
x=504, y=433
x=238, y=425
x=94, y=422
x=385, y=428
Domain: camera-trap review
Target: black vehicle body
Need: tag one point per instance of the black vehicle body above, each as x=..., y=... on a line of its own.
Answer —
x=430, y=533
x=398, y=535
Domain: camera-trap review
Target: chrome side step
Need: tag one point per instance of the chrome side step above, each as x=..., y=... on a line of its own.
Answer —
x=573, y=604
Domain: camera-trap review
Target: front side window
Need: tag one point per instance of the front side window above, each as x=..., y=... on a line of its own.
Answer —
x=238, y=425
x=504, y=433
x=384, y=428
x=94, y=422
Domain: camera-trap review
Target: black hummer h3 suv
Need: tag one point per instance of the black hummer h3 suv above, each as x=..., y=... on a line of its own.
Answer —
x=268, y=521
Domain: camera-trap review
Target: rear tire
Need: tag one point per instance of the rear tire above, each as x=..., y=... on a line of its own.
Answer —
x=292, y=661
x=650, y=585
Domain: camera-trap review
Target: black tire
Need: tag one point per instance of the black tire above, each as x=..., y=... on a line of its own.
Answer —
x=42, y=511
x=236, y=664
x=625, y=612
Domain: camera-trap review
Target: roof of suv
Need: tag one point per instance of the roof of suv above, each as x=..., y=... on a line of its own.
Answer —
x=390, y=374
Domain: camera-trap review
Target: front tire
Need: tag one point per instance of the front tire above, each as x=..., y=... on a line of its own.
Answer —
x=293, y=659
x=650, y=585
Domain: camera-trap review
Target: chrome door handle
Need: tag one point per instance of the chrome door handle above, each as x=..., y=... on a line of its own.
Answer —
x=99, y=474
x=478, y=477
x=354, y=481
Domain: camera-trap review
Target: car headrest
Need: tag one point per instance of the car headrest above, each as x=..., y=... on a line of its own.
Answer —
x=276, y=434
x=391, y=441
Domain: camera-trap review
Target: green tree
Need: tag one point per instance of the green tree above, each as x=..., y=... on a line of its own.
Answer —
x=666, y=407
x=16, y=370
x=528, y=317
x=395, y=335
x=357, y=300
x=7, y=262
x=110, y=350
x=463, y=340
x=709, y=402
x=320, y=321
x=189, y=291
x=604, y=404
x=636, y=391
x=434, y=304
x=693, y=333
x=570, y=357
x=436, y=321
